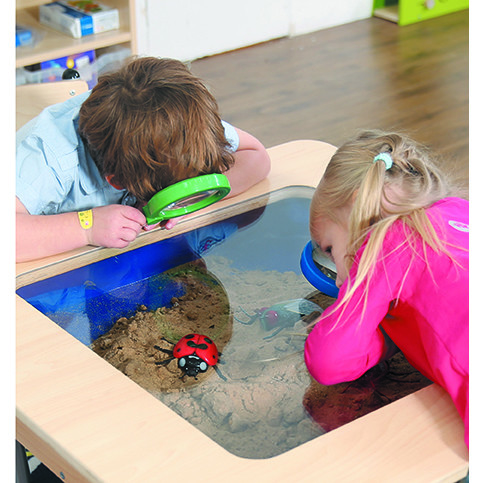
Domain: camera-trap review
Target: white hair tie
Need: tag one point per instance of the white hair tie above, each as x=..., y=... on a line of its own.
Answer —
x=386, y=157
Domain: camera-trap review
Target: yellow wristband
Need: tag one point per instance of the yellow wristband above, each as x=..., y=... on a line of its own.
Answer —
x=85, y=219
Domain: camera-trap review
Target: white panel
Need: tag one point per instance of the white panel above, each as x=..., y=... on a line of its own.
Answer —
x=188, y=29
x=311, y=15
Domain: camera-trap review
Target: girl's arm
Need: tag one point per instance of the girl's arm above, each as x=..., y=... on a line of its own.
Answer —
x=346, y=352
x=346, y=342
x=252, y=164
x=39, y=236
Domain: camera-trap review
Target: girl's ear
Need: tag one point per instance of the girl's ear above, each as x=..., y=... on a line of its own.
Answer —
x=112, y=182
x=354, y=196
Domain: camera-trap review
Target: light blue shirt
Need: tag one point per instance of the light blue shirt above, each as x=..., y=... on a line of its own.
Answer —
x=55, y=173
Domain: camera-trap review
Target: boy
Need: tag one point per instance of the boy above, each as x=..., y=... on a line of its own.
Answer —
x=85, y=166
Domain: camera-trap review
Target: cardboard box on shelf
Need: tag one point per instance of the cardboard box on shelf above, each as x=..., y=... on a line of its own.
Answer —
x=79, y=18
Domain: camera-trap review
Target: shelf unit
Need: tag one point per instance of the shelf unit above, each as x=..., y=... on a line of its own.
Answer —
x=405, y=12
x=54, y=44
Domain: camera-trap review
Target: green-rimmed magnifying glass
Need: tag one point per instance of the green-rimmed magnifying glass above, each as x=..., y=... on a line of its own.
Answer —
x=185, y=197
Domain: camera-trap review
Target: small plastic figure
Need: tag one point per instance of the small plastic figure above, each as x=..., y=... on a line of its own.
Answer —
x=195, y=353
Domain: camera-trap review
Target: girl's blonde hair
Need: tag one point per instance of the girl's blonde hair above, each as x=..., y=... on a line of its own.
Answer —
x=380, y=196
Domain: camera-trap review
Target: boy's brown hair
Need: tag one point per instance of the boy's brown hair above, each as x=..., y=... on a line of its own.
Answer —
x=153, y=123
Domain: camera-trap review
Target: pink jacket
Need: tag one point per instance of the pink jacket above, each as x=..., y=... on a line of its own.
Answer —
x=425, y=311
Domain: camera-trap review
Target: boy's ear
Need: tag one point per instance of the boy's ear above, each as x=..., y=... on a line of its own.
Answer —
x=110, y=179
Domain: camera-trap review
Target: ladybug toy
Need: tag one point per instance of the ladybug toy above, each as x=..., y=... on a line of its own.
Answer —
x=195, y=353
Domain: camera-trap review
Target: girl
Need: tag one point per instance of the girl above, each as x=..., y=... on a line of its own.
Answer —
x=398, y=236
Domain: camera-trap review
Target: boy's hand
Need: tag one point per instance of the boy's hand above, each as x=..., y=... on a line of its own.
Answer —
x=166, y=224
x=115, y=226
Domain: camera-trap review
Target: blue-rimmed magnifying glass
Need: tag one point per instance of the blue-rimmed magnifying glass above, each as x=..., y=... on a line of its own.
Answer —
x=319, y=269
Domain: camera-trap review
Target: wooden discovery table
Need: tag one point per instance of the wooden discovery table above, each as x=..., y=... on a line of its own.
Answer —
x=89, y=423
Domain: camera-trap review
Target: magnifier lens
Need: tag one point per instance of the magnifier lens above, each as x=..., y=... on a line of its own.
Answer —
x=319, y=269
x=325, y=264
x=190, y=200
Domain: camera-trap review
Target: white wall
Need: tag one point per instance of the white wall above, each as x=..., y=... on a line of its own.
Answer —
x=190, y=29
x=311, y=15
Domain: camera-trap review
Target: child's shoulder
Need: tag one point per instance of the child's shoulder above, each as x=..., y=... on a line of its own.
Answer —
x=450, y=219
x=445, y=214
x=451, y=203
x=450, y=210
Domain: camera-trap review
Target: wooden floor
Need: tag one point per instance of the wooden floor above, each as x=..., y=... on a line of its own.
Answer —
x=366, y=74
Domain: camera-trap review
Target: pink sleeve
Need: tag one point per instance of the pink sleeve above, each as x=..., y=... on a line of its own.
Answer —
x=342, y=350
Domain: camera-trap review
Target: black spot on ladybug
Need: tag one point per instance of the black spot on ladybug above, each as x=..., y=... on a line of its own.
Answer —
x=196, y=346
x=207, y=339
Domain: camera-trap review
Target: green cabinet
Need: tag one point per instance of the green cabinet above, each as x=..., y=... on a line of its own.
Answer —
x=405, y=12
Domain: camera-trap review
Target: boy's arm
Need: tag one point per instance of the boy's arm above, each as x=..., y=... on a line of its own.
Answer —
x=252, y=164
x=39, y=236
